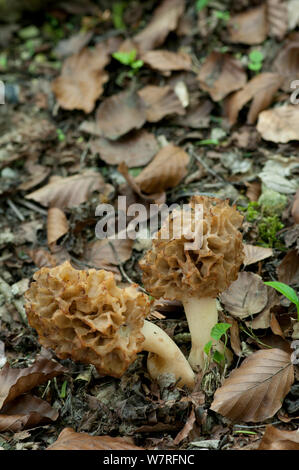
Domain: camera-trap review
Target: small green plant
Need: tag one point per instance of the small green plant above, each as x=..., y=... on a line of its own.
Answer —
x=218, y=330
x=287, y=291
x=255, y=62
x=60, y=135
x=128, y=58
x=201, y=4
x=117, y=15
x=222, y=15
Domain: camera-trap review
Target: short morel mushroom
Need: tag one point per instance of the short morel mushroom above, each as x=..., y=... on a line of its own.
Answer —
x=196, y=276
x=85, y=316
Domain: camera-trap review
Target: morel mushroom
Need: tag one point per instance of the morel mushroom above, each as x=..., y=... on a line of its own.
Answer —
x=85, y=316
x=196, y=276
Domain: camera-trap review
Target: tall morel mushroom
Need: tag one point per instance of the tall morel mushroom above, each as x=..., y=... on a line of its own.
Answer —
x=85, y=316
x=196, y=276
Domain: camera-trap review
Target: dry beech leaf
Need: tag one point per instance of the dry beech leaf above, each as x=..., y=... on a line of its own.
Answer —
x=119, y=114
x=26, y=411
x=260, y=89
x=160, y=102
x=38, y=173
x=277, y=439
x=57, y=225
x=164, y=20
x=249, y=27
x=263, y=319
x=157, y=198
x=220, y=75
x=245, y=296
x=166, y=61
x=288, y=269
x=279, y=125
x=253, y=254
x=295, y=208
x=15, y=382
x=135, y=149
x=165, y=171
x=277, y=16
x=197, y=116
x=100, y=253
x=255, y=391
x=68, y=192
x=68, y=439
x=42, y=258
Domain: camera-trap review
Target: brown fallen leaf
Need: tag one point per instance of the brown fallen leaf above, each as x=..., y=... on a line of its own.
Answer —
x=15, y=382
x=277, y=16
x=235, y=341
x=164, y=20
x=280, y=124
x=197, y=116
x=166, y=61
x=57, y=225
x=73, y=44
x=133, y=187
x=277, y=439
x=68, y=439
x=255, y=391
x=253, y=254
x=186, y=429
x=160, y=102
x=37, y=174
x=100, y=253
x=263, y=319
x=135, y=149
x=260, y=89
x=165, y=171
x=286, y=62
x=295, y=208
x=220, y=75
x=26, y=411
x=249, y=27
x=245, y=296
x=41, y=258
x=119, y=114
x=288, y=269
x=68, y=192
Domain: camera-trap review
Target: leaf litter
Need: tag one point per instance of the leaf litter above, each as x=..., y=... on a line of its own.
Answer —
x=183, y=112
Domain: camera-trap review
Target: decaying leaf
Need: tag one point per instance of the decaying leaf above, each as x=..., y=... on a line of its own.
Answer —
x=160, y=102
x=277, y=439
x=277, y=16
x=165, y=171
x=249, y=27
x=288, y=269
x=73, y=44
x=186, y=429
x=100, y=253
x=197, y=116
x=26, y=411
x=260, y=89
x=286, y=62
x=263, y=319
x=165, y=19
x=14, y=382
x=119, y=114
x=220, y=75
x=255, y=391
x=68, y=439
x=166, y=61
x=41, y=258
x=70, y=191
x=245, y=296
x=57, y=224
x=280, y=124
x=135, y=149
x=277, y=171
x=253, y=254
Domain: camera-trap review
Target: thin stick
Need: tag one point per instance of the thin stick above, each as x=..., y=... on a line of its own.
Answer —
x=16, y=210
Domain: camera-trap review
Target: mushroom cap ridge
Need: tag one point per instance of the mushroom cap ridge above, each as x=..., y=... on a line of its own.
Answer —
x=172, y=272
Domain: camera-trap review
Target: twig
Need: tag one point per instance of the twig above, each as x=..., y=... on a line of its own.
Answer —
x=16, y=210
x=32, y=206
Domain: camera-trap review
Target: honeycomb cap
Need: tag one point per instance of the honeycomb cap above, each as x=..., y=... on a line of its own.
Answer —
x=172, y=272
x=84, y=316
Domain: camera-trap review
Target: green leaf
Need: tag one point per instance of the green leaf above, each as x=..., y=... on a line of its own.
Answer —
x=137, y=64
x=256, y=56
x=218, y=357
x=201, y=4
x=207, y=347
x=63, y=389
x=117, y=14
x=255, y=66
x=286, y=290
x=219, y=329
x=125, y=58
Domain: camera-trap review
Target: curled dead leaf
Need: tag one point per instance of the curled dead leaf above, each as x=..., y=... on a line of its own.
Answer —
x=288, y=269
x=136, y=149
x=277, y=439
x=57, y=225
x=119, y=114
x=164, y=20
x=70, y=191
x=166, y=61
x=68, y=439
x=220, y=75
x=260, y=89
x=280, y=124
x=160, y=102
x=165, y=171
x=255, y=391
x=249, y=27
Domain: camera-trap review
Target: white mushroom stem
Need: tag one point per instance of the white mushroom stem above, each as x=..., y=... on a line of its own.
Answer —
x=165, y=356
x=202, y=315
